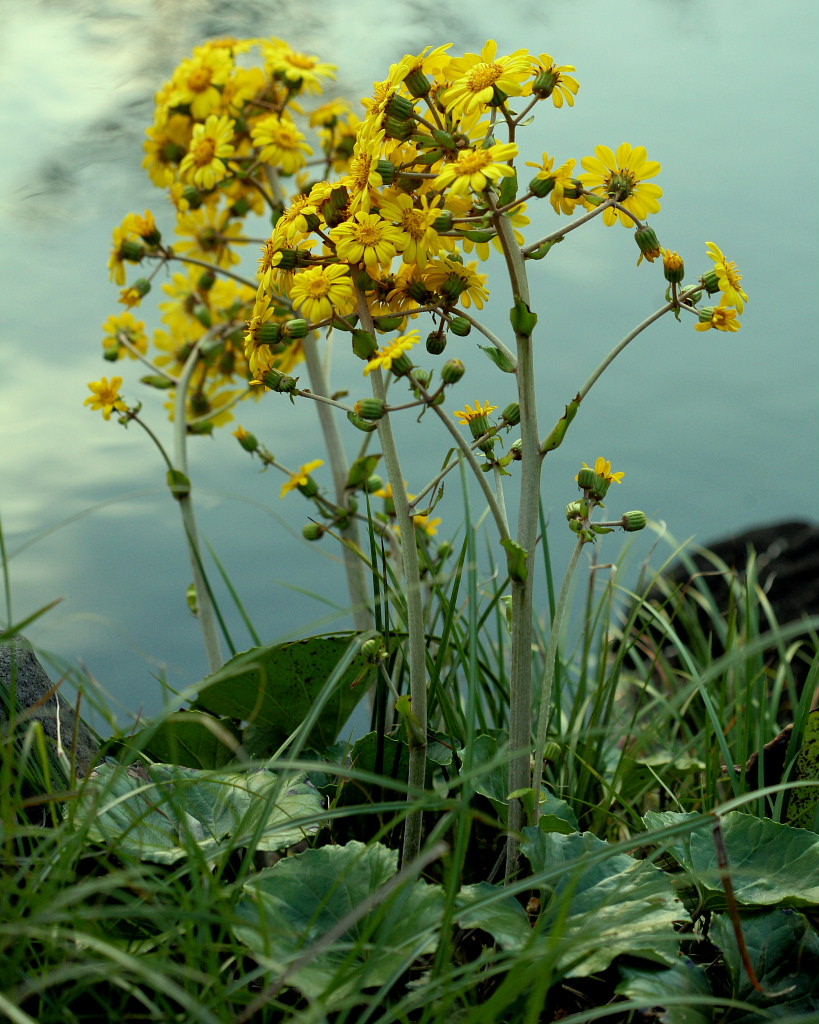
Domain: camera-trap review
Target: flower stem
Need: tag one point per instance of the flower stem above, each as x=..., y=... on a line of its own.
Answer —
x=207, y=615
x=416, y=639
x=353, y=565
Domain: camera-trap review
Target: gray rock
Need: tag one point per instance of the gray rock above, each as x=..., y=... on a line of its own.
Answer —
x=37, y=698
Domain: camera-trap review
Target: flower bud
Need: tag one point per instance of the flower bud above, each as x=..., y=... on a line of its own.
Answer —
x=541, y=187
x=574, y=510
x=436, y=343
x=312, y=531
x=361, y=424
x=268, y=334
x=387, y=171
x=373, y=650
x=373, y=483
x=400, y=107
x=452, y=371
x=634, y=521
x=403, y=364
x=203, y=315
x=443, y=222
x=275, y=380
x=398, y=128
x=246, y=439
x=207, y=279
x=460, y=326
x=586, y=478
x=710, y=282
x=132, y=251
x=295, y=329
x=370, y=408
x=511, y=414
x=417, y=83
x=552, y=751
x=157, y=381
x=647, y=242
x=673, y=267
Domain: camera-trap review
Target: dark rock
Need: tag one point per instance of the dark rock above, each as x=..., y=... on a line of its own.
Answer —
x=38, y=698
x=787, y=570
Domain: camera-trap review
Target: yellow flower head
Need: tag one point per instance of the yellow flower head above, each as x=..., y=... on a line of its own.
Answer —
x=478, y=78
x=728, y=278
x=551, y=80
x=105, y=396
x=317, y=291
x=302, y=477
x=211, y=145
x=468, y=414
x=297, y=70
x=476, y=169
x=602, y=467
x=369, y=239
x=621, y=176
x=721, y=318
x=280, y=143
x=386, y=356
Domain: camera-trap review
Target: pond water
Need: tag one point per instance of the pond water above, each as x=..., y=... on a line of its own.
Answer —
x=716, y=432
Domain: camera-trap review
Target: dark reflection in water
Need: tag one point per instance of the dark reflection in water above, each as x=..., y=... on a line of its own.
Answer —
x=711, y=430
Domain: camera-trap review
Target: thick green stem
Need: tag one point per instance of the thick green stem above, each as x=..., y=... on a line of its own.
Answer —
x=416, y=638
x=355, y=569
x=549, y=675
x=520, y=681
x=207, y=615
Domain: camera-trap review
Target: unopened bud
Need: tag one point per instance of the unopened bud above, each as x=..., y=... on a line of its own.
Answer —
x=634, y=521
x=370, y=408
x=460, y=325
x=452, y=371
x=312, y=531
x=436, y=343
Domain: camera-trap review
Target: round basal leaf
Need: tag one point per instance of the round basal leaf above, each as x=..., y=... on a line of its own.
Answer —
x=289, y=908
x=274, y=688
x=770, y=864
x=163, y=812
x=683, y=992
x=600, y=904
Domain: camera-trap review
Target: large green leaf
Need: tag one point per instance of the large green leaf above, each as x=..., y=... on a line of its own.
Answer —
x=163, y=812
x=273, y=689
x=602, y=904
x=190, y=738
x=784, y=951
x=771, y=864
x=290, y=907
x=683, y=991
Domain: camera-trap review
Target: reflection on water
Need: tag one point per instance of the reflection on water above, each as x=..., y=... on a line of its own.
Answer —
x=710, y=430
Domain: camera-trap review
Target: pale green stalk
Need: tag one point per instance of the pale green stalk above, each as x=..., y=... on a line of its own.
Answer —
x=354, y=566
x=520, y=673
x=416, y=638
x=549, y=675
x=207, y=615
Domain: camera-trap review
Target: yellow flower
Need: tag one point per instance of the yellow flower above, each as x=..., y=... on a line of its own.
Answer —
x=302, y=477
x=297, y=70
x=427, y=525
x=563, y=194
x=368, y=239
x=211, y=145
x=422, y=240
x=386, y=356
x=551, y=80
x=728, y=278
x=721, y=318
x=456, y=282
x=363, y=180
x=124, y=325
x=317, y=291
x=281, y=143
x=105, y=396
x=477, y=78
x=602, y=467
x=621, y=176
x=197, y=82
x=468, y=414
x=476, y=169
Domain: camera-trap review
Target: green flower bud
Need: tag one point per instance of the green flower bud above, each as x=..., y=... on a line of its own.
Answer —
x=387, y=171
x=247, y=440
x=586, y=478
x=296, y=329
x=132, y=251
x=511, y=414
x=552, y=751
x=373, y=650
x=361, y=424
x=647, y=243
x=269, y=334
x=710, y=282
x=460, y=325
x=370, y=408
x=541, y=187
x=278, y=381
x=706, y=314
x=436, y=343
x=401, y=107
x=673, y=267
x=157, y=381
x=634, y=521
x=417, y=83
x=452, y=371
x=206, y=281
x=373, y=483
x=422, y=377
x=203, y=315
x=574, y=510
x=443, y=222
x=398, y=128
x=312, y=531
x=403, y=364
